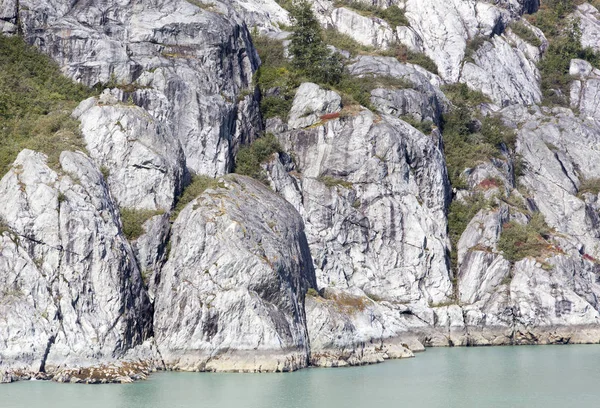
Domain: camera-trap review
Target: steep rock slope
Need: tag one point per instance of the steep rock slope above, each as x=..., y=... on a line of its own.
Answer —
x=370, y=183
x=72, y=295
x=144, y=162
x=231, y=295
x=190, y=67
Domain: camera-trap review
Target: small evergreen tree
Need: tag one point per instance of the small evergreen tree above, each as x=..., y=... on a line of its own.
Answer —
x=310, y=53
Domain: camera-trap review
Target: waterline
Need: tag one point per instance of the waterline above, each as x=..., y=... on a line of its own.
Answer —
x=507, y=377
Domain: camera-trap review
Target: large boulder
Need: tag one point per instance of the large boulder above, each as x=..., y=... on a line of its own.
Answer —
x=231, y=295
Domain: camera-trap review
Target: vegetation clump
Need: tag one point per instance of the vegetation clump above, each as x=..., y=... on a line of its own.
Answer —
x=564, y=36
x=133, y=221
x=331, y=182
x=249, y=158
x=197, y=186
x=312, y=292
x=469, y=140
x=525, y=33
x=591, y=186
x=36, y=102
x=403, y=54
x=276, y=78
x=519, y=241
x=344, y=42
x=3, y=226
x=310, y=55
x=358, y=90
x=311, y=60
x=473, y=45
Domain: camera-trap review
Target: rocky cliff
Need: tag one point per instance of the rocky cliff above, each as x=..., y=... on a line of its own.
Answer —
x=446, y=192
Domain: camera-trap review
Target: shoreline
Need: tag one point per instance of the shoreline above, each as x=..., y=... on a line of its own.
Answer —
x=129, y=371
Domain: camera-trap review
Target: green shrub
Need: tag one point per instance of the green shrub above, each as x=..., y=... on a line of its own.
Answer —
x=591, y=186
x=394, y=16
x=331, y=182
x=496, y=133
x=310, y=54
x=276, y=106
x=3, y=226
x=564, y=36
x=465, y=144
x=133, y=221
x=358, y=89
x=519, y=241
x=197, y=186
x=277, y=73
x=473, y=45
x=312, y=292
x=424, y=126
x=459, y=215
x=406, y=56
x=286, y=4
x=525, y=33
x=344, y=42
x=461, y=94
x=249, y=158
x=36, y=101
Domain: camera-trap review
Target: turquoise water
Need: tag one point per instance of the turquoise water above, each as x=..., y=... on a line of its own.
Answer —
x=535, y=376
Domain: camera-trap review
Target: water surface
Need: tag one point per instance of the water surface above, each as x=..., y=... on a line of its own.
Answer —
x=507, y=377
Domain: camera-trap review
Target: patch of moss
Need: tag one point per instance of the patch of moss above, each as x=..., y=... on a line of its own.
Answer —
x=331, y=182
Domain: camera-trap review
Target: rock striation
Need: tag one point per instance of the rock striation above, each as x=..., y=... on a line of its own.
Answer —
x=231, y=295
x=190, y=66
x=72, y=294
x=343, y=254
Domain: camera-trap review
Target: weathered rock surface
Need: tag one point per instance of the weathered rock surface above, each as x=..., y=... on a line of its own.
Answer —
x=425, y=101
x=144, y=162
x=310, y=103
x=72, y=295
x=191, y=66
x=365, y=222
x=589, y=23
x=515, y=81
x=372, y=207
x=585, y=89
x=231, y=295
x=369, y=31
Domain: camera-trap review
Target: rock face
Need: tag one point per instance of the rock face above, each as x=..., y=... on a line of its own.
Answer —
x=516, y=81
x=231, y=295
x=373, y=192
x=71, y=293
x=346, y=259
x=190, y=67
x=144, y=162
x=371, y=219
x=585, y=89
x=310, y=104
